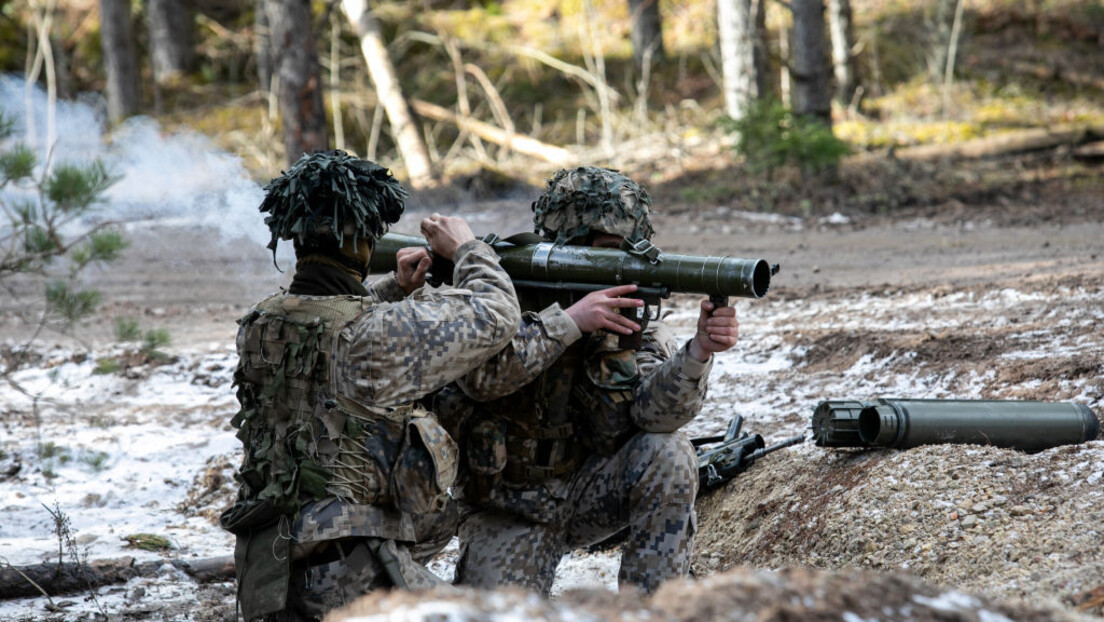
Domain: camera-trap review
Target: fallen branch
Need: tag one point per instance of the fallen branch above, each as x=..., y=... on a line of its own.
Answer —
x=1003, y=144
x=1090, y=152
x=54, y=579
x=522, y=144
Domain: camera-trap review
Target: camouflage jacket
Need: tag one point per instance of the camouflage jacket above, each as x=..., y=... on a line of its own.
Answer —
x=407, y=347
x=664, y=392
x=351, y=380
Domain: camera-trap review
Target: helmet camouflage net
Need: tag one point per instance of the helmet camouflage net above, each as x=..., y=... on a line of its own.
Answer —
x=328, y=195
x=589, y=198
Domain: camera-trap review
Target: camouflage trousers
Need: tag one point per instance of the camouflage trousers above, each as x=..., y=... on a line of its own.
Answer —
x=349, y=568
x=648, y=486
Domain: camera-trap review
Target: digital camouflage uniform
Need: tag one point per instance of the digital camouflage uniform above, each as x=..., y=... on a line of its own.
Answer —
x=572, y=439
x=344, y=479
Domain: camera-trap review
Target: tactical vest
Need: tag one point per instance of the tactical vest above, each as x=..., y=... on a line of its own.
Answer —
x=298, y=436
x=579, y=405
x=306, y=442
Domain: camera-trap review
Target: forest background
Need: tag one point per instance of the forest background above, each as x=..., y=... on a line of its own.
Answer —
x=489, y=96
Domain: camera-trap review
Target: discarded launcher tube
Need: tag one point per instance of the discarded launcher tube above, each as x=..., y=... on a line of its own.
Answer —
x=904, y=423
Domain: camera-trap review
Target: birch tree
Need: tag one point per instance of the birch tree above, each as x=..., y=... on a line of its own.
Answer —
x=843, y=40
x=404, y=129
x=939, y=38
x=743, y=64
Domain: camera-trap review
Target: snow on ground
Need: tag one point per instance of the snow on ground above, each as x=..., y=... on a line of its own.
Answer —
x=128, y=451
x=122, y=455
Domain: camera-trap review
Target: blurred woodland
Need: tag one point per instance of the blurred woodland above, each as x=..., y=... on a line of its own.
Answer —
x=803, y=106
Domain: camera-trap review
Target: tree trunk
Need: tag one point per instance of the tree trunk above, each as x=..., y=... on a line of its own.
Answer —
x=69, y=578
x=785, y=60
x=407, y=135
x=742, y=59
x=295, y=65
x=952, y=49
x=843, y=39
x=170, y=33
x=939, y=36
x=262, y=47
x=811, y=96
x=647, y=31
x=120, y=59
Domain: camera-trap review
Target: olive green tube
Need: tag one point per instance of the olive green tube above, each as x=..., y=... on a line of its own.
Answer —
x=1028, y=426
x=383, y=254
x=692, y=274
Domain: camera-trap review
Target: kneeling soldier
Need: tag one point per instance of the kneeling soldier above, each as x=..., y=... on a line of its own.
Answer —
x=344, y=480
x=574, y=438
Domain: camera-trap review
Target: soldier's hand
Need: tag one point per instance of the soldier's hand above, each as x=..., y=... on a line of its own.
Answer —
x=718, y=331
x=413, y=264
x=601, y=309
x=445, y=234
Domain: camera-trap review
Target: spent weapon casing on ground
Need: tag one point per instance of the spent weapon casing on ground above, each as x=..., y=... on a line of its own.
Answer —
x=904, y=423
x=548, y=263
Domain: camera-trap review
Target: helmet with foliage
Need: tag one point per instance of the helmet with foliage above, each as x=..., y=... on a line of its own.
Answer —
x=588, y=199
x=328, y=196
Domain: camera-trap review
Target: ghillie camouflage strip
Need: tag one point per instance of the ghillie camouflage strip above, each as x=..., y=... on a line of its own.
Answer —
x=331, y=193
x=590, y=198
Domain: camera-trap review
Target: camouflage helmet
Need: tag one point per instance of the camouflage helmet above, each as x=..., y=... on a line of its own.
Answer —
x=590, y=198
x=328, y=195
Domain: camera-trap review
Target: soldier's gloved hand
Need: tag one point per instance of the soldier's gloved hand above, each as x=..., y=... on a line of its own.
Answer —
x=413, y=264
x=718, y=331
x=445, y=234
x=600, y=309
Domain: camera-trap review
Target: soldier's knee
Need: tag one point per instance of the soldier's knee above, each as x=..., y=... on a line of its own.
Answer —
x=671, y=448
x=671, y=458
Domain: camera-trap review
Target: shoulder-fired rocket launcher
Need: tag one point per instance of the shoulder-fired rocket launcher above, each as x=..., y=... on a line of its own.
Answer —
x=543, y=265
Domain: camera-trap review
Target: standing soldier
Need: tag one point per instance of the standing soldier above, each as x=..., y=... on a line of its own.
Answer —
x=344, y=480
x=574, y=438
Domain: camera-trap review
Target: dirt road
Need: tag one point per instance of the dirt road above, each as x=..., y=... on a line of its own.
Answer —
x=195, y=281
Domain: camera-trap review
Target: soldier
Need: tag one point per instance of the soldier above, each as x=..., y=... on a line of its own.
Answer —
x=574, y=438
x=344, y=480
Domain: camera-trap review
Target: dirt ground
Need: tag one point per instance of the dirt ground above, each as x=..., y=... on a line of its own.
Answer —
x=996, y=301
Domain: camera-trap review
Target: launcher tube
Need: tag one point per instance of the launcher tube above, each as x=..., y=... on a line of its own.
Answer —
x=1028, y=426
x=692, y=274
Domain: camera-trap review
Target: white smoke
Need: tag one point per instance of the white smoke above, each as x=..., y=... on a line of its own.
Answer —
x=183, y=178
x=75, y=130
x=174, y=179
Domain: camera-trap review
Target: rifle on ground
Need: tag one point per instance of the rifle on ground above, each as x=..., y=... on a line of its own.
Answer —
x=735, y=454
x=572, y=272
